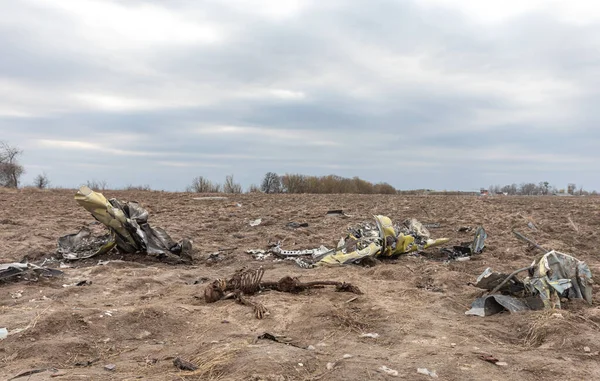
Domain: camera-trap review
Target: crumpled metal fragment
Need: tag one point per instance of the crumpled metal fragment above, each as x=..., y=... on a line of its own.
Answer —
x=26, y=270
x=553, y=276
x=129, y=231
x=379, y=239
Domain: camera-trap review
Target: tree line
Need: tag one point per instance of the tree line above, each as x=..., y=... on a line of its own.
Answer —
x=540, y=189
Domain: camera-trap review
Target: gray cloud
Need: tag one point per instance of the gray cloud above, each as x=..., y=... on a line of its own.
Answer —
x=431, y=94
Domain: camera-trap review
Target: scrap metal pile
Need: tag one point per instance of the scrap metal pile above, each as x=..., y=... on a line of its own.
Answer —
x=382, y=239
x=249, y=282
x=552, y=276
x=129, y=231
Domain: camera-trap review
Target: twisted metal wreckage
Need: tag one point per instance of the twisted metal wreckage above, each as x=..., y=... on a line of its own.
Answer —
x=384, y=239
x=129, y=231
x=552, y=276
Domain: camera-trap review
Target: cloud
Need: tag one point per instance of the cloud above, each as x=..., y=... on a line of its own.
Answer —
x=420, y=94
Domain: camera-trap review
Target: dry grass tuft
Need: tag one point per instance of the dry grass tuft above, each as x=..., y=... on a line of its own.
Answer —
x=213, y=363
x=546, y=323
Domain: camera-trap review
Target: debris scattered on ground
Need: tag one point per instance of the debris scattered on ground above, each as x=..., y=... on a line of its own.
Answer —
x=280, y=339
x=337, y=213
x=587, y=349
x=209, y=198
x=256, y=222
x=110, y=367
x=347, y=356
x=330, y=365
x=463, y=229
x=249, y=282
x=371, y=335
x=467, y=249
x=367, y=240
x=532, y=226
x=26, y=271
x=29, y=373
x=389, y=371
x=87, y=363
x=3, y=333
x=551, y=277
x=129, y=231
x=427, y=372
x=492, y=359
x=432, y=225
x=258, y=254
x=184, y=365
x=296, y=225
x=17, y=294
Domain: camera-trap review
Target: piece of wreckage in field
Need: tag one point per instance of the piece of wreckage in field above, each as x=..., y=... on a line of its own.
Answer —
x=552, y=276
x=129, y=232
x=249, y=282
x=383, y=239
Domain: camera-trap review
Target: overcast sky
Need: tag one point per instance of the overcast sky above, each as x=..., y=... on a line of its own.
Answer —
x=440, y=94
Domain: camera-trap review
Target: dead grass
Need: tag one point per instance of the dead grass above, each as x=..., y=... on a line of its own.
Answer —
x=543, y=325
x=214, y=363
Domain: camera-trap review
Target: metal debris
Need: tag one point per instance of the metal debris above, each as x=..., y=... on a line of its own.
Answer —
x=467, y=249
x=296, y=225
x=26, y=271
x=427, y=372
x=553, y=276
x=381, y=239
x=129, y=231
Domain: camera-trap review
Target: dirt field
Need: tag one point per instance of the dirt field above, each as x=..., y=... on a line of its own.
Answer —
x=139, y=314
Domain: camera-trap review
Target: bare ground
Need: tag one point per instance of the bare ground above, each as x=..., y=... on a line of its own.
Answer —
x=139, y=314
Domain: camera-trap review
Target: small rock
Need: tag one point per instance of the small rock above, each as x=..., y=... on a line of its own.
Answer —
x=300, y=364
x=558, y=316
x=330, y=365
x=17, y=294
x=371, y=335
x=256, y=222
x=587, y=349
x=453, y=345
x=391, y=372
x=427, y=372
x=144, y=334
x=321, y=345
x=310, y=348
x=110, y=367
x=347, y=356
x=501, y=363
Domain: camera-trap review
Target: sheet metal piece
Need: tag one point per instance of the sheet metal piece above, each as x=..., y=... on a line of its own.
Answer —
x=493, y=304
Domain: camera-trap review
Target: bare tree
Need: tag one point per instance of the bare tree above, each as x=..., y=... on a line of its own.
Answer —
x=271, y=183
x=571, y=188
x=230, y=186
x=97, y=185
x=10, y=169
x=203, y=185
x=253, y=188
x=41, y=181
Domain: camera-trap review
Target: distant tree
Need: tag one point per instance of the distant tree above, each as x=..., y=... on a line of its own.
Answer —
x=231, y=186
x=253, y=188
x=571, y=188
x=201, y=184
x=97, y=185
x=271, y=183
x=41, y=181
x=10, y=169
